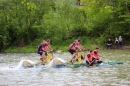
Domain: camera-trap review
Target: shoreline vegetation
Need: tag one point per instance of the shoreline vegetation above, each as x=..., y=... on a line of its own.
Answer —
x=26, y=23
x=33, y=49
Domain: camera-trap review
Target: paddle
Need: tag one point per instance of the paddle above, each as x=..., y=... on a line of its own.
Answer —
x=101, y=57
x=90, y=63
x=93, y=61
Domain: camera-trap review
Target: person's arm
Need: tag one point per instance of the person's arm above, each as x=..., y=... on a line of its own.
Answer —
x=111, y=42
x=50, y=48
x=43, y=48
x=70, y=46
x=100, y=56
x=81, y=46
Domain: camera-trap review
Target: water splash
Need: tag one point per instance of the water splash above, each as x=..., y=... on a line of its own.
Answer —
x=56, y=61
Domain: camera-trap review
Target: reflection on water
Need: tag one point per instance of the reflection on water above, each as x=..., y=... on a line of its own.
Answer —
x=105, y=75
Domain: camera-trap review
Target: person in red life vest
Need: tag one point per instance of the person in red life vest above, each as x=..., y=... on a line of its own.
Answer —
x=89, y=58
x=75, y=44
x=72, y=47
x=43, y=49
x=96, y=56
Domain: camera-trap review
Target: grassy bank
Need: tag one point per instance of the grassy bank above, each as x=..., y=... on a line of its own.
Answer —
x=33, y=49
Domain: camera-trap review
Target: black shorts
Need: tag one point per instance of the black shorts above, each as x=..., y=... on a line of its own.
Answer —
x=71, y=51
x=40, y=52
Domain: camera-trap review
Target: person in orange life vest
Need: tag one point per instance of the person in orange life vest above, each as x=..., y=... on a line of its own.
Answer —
x=72, y=47
x=89, y=57
x=96, y=56
x=79, y=45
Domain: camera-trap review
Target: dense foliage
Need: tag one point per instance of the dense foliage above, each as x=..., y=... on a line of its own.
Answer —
x=28, y=22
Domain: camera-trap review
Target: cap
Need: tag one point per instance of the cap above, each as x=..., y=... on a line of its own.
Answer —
x=79, y=40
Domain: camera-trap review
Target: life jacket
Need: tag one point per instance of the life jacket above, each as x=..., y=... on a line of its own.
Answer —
x=77, y=43
x=42, y=45
x=95, y=53
x=89, y=57
x=72, y=46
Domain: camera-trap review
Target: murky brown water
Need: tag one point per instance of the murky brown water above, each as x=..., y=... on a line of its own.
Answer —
x=105, y=75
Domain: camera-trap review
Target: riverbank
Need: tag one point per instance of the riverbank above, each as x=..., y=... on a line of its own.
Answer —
x=33, y=49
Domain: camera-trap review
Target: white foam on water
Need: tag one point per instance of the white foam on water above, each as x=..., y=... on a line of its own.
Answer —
x=13, y=67
x=51, y=63
x=63, y=61
x=20, y=64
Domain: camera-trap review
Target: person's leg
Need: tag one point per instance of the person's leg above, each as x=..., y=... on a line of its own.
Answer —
x=44, y=56
x=117, y=45
x=121, y=44
x=107, y=46
x=110, y=46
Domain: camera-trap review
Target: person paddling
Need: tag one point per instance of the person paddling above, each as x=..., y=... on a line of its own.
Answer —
x=96, y=56
x=89, y=58
x=74, y=45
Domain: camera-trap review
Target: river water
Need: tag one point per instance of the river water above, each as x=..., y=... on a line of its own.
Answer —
x=105, y=75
